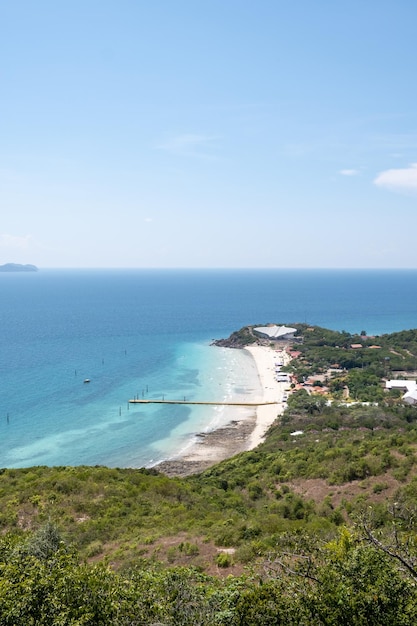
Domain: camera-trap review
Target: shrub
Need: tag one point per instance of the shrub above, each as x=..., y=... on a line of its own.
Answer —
x=255, y=490
x=224, y=560
x=93, y=549
x=378, y=487
x=189, y=549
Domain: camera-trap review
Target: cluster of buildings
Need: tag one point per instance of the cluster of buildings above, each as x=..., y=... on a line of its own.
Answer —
x=286, y=333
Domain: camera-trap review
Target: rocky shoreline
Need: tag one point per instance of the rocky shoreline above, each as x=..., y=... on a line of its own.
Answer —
x=211, y=448
x=238, y=339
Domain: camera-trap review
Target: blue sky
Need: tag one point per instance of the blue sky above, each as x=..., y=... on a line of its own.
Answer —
x=208, y=133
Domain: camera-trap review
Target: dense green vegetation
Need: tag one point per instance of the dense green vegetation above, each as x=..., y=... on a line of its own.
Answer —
x=385, y=355
x=348, y=580
x=316, y=526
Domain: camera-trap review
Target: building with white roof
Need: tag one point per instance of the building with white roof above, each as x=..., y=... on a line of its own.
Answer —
x=406, y=385
x=275, y=332
x=409, y=386
x=411, y=396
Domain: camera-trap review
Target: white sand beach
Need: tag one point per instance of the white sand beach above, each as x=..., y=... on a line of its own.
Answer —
x=238, y=435
x=266, y=360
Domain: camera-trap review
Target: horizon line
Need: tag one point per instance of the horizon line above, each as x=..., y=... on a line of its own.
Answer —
x=214, y=268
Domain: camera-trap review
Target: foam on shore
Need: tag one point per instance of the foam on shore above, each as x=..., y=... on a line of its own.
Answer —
x=239, y=434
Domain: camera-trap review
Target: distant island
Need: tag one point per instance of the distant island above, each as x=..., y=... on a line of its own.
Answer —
x=17, y=267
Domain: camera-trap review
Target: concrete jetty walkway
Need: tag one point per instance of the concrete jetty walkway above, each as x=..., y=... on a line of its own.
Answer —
x=142, y=401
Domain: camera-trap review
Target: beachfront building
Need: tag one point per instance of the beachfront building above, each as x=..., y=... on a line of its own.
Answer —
x=283, y=377
x=275, y=333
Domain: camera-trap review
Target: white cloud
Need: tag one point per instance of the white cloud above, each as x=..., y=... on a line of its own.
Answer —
x=349, y=172
x=14, y=242
x=398, y=179
x=189, y=144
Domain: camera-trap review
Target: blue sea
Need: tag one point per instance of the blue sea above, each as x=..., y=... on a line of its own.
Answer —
x=147, y=334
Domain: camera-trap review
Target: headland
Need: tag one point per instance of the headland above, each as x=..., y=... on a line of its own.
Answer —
x=17, y=267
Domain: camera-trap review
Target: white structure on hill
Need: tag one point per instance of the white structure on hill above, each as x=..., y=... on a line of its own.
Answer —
x=275, y=332
x=411, y=396
x=406, y=385
x=409, y=386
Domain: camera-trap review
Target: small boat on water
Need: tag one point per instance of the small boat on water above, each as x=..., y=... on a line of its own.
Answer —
x=86, y=380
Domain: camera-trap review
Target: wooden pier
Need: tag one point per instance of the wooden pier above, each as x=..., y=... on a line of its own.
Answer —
x=142, y=401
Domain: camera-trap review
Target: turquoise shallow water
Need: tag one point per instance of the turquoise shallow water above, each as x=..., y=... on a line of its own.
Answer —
x=135, y=332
